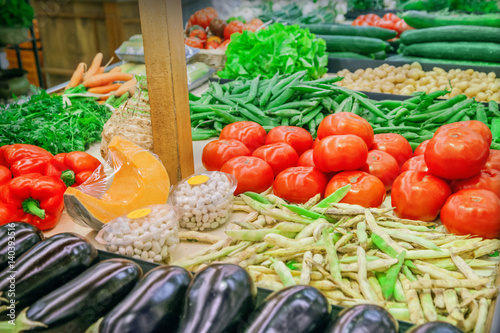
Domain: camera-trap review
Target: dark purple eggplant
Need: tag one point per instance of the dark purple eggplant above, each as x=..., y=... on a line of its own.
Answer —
x=47, y=266
x=298, y=309
x=15, y=239
x=75, y=306
x=364, y=318
x=155, y=303
x=218, y=300
x=435, y=327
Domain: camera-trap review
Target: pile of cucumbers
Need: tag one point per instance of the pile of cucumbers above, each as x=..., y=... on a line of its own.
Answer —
x=357, y=42
x=60, y=286
x=468, y=39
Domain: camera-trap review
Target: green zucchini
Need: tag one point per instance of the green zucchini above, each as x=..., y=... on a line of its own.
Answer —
x=452, y=33
x=441, y=61
x=349, y=30
x=381, y=55
x=477, y=51
x=350, y=55
x=353, y=44
x=420, y=20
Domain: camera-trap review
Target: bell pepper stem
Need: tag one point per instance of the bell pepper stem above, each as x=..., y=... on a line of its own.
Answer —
x=68, y=177
x=32, y=206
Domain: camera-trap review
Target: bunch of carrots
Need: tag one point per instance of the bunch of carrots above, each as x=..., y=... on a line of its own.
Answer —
x=111, y=85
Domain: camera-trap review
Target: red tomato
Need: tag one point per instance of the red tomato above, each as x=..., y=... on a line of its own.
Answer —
x=386, y=24
x=231, y=28
x=472, y=124
x=256, y=21
x=198, y=33
x=393, y=144
x=420, y=150
x=418, y=195
x=224, y=45
x=391, y=17
x=416, y=163
x=279, y=156
x=340, y=153
x=456, y=153
x=371, y=17
x=358, y=22
x=346, y=123
x=361, y=17
x=383, y=166
x=299, y=184
x=401, y=26
x=297, y=137
x=203, y=17
x=211, y=45
x=315, y=143
x=366, y=190
x=306, y=159
x=193, y=42
x=218, y=152
x=493, y=161
x=472, y=211
x=252, y=173
x=487, y=179
x=251, y=134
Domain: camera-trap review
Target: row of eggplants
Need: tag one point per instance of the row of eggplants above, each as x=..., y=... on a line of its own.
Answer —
x=59, y=288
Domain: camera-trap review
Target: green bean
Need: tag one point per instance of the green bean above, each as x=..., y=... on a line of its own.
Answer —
x=327, y=102
x=457, y=117
x=224, y=100
x=256, y=235
x=253, y=89
x=410, y=135
x=257, y=197
x=294, y=105
x=217, y=88
x=198, y=134
x=340, y=98
x=283, y=272
x=390, y=104
x=361, y=233
x=267, y=93
x=446, y=104
x=312, y=128
x=493, y=108
x=284, y=82
x=328, y=79
x=319, y=118
x=285, y=122
x=335, y=197
x=226, y=116
x=310, y=116
x=495, y=129
x=399, y=294
x=286, y=113
x=307, y=89
x=450, y=112
x=370, y=106
x=241, y=88
x=481, y=114
x=391, y=129
x=255, y=110
x=295, y=120
x=306, y=212
x=282, y=96
x=218, y=126
x=409, y=275
x=465, y=118
x=412, y=238
x=392, y=276
x=331, y=254
x=346, y=105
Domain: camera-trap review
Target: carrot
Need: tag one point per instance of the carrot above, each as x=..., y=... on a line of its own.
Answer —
x=94, y=67
x=106, y=78
x=127, y=86
x=100, y=70
x=77, y=76
x=116, y=69
x=105, y=89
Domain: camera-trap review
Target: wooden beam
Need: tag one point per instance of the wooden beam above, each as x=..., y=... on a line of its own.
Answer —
x=162, y=33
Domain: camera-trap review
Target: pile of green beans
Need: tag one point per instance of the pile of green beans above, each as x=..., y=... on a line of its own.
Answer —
x=291, y=100
x=281, y=100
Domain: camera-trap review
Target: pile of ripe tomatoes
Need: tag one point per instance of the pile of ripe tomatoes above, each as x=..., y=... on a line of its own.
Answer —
x=454, y=173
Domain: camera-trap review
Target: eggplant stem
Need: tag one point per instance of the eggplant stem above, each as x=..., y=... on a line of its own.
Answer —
x=22, y=323
x=95, y=326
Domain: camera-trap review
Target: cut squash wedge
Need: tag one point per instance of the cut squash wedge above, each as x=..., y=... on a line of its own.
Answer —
x=140, y=180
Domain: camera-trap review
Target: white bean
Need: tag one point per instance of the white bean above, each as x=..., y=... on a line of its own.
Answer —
x=147, y=246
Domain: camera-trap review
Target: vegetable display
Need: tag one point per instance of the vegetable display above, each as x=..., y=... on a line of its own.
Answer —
x=408, y=79
x=388, y=21
x=253, y=53
x=420, y=20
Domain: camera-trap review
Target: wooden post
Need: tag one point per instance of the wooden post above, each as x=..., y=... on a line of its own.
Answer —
x=162, y=32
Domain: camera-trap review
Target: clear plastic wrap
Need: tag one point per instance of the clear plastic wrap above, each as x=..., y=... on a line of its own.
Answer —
x=205, y=199
x=150, y=233
x=134, y=178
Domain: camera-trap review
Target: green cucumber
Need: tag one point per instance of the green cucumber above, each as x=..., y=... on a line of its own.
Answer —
x=349, y=30
x=353, y=44
x=475, y=51
x=452, y=33
x=350, y=55
x=441, y=61
x=420, y=20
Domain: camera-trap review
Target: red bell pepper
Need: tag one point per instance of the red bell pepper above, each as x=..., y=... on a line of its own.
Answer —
x=5, y=175
x=73, y=168
x=22, y=159
x=32, y=198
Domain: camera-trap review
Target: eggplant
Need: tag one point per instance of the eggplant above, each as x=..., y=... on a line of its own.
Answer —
x=364, y=318
x=218, y=300
x=435, y=327
x=298, y=309
x=47, y=266
x=155, y=303
x=15, y=239
x=80, y=302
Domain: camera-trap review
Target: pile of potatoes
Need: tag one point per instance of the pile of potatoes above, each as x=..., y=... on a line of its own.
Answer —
x=408, y=79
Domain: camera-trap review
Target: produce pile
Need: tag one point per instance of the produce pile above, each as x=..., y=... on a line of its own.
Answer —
x=292, y=14
x=470, y=38
x=276, y=49
x=33, y=182
x=410, y=78
x=294, y=101
x=388, y=21
x=344, y=41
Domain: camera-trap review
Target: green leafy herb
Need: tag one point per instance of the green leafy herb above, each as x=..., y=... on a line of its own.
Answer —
x=48, y=122
x=279, y=48
x=16, y=13
x=494, y=254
